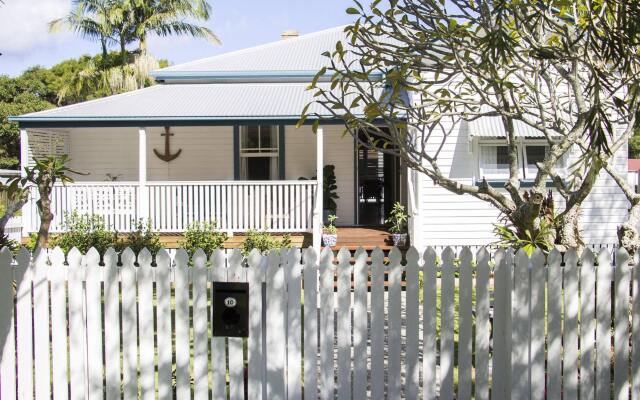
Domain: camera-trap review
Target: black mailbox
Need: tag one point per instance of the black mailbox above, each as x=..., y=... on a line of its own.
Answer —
x=230, y=309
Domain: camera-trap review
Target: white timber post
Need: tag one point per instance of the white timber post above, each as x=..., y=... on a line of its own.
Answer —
x=317, y=210
x=413, y=202
x=27, y=209
x=143, y=195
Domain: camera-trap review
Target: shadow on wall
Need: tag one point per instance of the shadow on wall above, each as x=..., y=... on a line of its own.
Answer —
x=462, y=163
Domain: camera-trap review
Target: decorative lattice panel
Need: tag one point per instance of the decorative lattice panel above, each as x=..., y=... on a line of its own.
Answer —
x=42, y=144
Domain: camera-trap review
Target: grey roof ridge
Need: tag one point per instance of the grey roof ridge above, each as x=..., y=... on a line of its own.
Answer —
x=247, y=50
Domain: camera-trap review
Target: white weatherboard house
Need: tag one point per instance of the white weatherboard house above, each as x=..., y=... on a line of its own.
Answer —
x=216, y=140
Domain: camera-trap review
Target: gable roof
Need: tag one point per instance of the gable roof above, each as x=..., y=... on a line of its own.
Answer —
x=299, y=54
x=187, y=104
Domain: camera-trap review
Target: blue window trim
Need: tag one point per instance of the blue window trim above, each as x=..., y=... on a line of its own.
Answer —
x=236, y=152
x=248, y=76
x=281, y=160
x=499, y=183
x=134, y=122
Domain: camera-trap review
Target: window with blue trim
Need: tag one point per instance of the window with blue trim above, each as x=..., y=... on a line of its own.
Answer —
x=493, y=160
x=259, y=152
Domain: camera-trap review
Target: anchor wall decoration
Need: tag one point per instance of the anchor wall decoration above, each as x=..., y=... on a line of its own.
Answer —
x=167, y=156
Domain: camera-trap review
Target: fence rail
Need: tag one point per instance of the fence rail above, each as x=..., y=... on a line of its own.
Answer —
x=328, y=325
x=237, y=206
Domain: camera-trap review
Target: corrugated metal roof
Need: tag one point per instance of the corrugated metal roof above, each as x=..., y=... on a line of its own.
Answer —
x=492, y=127
x=303, y=53
x=193, y=102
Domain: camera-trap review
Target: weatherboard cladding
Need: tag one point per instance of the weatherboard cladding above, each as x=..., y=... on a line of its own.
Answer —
x=198, y=101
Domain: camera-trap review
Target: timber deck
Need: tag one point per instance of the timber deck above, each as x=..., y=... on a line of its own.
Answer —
x=350, y=237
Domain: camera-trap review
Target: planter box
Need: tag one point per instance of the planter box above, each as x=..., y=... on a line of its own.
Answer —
x=399, y=239
x=329, y=239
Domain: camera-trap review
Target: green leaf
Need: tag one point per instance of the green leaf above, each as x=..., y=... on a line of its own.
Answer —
x=353, y=11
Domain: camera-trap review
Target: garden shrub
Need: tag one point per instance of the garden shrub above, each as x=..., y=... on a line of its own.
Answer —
x=84, y=231
x=142, y=237
x=203, y=235
x=264, y=241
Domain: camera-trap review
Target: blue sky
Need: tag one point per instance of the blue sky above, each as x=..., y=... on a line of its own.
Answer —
x=25, y=41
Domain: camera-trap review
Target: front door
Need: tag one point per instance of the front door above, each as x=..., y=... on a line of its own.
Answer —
x=378, y=186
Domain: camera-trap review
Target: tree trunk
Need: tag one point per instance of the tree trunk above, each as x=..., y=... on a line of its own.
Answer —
x=45, y=216
x=12, y=208
x=567, y=230
x=143, y=45
x=105, y=53
x=628, y=236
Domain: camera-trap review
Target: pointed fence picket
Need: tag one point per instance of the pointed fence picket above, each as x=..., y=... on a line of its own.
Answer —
x=328, y=325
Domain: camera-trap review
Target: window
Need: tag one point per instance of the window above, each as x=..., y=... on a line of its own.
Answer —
x=533, y=154
x=494, y=162
x=259, y=152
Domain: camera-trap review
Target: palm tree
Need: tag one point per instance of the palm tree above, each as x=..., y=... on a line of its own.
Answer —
x=166, y=18
x=93, y=20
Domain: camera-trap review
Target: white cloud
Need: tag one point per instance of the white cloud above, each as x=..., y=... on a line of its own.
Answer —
x=24, y=24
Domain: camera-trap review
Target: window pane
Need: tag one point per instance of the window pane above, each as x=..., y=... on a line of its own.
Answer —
x=494, y=162
x=250, y=140
x=502, y=156
x=258, y=168
x=266, y=137
x=535, y=154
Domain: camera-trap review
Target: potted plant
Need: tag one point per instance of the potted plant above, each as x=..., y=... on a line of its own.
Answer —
x=330, y=232
x=329, y=191
x=397, y=222
x=330, y=195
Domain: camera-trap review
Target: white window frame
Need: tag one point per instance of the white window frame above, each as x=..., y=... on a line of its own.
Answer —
x=524, y=172
x=267, y=152
x=495, y=176
x=525, y=164
x=259, y=151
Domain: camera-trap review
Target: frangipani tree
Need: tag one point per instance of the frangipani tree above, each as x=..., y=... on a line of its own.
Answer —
x=420, y=68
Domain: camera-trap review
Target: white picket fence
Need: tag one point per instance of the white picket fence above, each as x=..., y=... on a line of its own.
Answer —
x=236, y=206
x=499, y=326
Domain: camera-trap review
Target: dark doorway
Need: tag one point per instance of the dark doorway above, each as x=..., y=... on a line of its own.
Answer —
x=378, y=186
x=258, y=168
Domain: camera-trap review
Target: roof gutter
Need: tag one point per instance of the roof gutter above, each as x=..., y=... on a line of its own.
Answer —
x=246, y=76
x=132, y=121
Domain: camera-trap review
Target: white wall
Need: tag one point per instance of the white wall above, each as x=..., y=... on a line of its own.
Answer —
x=300, y=155
x=207, y=153
x=450, y=219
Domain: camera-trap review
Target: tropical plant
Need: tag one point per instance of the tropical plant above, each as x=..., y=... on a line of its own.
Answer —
x=330, y=228
x=46, y=172
x=96, y=20
x=330, y=188
x=166, y=18
x=203, y=235
x=397, y=220
x=529, y=241
x=264, y=241
x=84, y=231
x=567, y=69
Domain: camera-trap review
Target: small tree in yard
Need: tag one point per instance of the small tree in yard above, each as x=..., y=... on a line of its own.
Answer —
x=43, y=175
x=16, y=198
x=413, y=70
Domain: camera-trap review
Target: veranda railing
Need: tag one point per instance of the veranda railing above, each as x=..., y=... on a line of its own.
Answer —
x=236, y=206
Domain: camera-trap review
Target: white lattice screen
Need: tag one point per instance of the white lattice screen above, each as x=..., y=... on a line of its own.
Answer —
x=42, y=144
